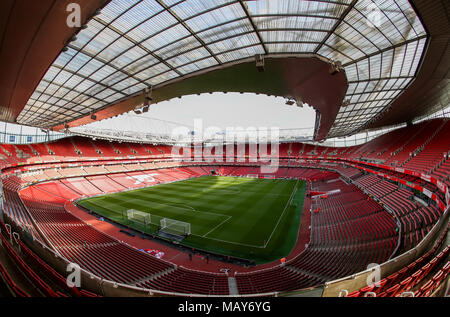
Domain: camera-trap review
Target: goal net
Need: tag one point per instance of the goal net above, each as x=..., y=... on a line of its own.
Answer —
x=175, y=227
x=143, y=218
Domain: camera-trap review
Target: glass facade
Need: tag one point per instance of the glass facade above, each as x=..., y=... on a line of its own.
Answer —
x=18, y=134
x=134, y=44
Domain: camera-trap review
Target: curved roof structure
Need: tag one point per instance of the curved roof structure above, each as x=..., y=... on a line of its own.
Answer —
x=296, y=78
x=133, y=45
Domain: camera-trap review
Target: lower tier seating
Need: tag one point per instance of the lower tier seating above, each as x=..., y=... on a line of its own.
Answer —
x=349, y=229
x=344, y=239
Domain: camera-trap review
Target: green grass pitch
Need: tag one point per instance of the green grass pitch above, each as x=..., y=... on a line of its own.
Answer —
x=254, y=219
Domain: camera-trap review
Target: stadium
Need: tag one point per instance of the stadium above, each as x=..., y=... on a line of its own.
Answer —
x=357, y=206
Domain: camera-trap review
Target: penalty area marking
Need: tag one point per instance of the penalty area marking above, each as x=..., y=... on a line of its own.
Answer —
x=191, y=208
x=229, y=217
x=209, y=238
x=183, y=206
x=225, y=241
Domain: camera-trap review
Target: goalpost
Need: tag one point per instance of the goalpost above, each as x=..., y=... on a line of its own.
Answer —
x=175, y=227
x=143, y=218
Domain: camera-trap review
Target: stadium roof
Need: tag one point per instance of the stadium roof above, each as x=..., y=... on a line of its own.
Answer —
x=131, y=45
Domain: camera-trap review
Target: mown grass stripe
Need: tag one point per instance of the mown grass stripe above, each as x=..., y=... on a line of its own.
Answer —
x=256, y=222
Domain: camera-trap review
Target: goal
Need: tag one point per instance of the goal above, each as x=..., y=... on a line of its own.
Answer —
x=140, y=217
x=175, y=227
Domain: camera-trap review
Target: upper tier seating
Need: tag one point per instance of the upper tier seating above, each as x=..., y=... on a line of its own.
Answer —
x=85, y=147
x=432, y=152
x=356, y=225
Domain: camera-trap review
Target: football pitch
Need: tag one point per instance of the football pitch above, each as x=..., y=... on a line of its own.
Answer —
x=249, y=218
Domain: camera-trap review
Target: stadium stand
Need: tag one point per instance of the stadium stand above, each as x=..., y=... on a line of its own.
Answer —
x=365, y=218
x=382, y=199
x=409, y=278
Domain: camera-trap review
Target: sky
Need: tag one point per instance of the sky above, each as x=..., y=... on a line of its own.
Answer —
x=220, y=110
x=234, y=109
x=216, y=110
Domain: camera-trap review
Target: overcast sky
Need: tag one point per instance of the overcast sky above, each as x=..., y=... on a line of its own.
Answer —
x=232, y=109
x=216, y=110
x=221, y=110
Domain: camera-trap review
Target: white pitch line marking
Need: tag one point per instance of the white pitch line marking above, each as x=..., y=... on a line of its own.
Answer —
x=281, y=216
x=216, y=226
